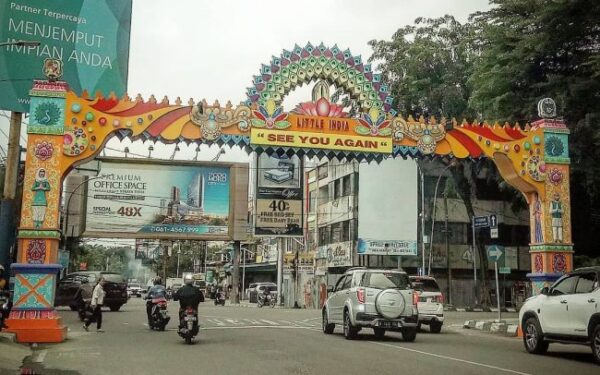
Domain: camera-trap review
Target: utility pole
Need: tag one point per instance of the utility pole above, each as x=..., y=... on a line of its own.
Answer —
x=280, y=271
x=235, y=297
x=447, y=233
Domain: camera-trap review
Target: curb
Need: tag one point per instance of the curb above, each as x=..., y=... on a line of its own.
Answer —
x=8, y=336
x=503, y=327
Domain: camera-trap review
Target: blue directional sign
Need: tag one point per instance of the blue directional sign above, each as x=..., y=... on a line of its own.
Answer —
x=481, y=221
x=493, y=221
x=495, y=252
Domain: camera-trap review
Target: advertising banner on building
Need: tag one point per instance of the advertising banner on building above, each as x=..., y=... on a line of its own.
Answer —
x=339, y=254
x=91, y=38
x=391, y=184
x=160, y=200
x=279, y=208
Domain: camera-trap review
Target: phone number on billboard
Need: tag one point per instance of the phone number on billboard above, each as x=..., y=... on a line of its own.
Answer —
x=186, y=230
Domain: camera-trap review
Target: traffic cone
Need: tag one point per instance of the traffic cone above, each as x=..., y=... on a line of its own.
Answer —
x=519, y=331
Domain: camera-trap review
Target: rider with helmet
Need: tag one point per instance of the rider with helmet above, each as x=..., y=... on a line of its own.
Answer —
x=188, y=295
x=156, y=291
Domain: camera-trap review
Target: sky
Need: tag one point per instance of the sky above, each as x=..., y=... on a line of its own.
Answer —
x=211, y=49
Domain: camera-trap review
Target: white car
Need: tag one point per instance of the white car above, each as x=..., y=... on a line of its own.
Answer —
x=568, y=312
x=430, y=302
x=371, y=298
x=134, y=289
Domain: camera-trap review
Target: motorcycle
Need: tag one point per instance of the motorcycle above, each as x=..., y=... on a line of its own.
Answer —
x=5, y=307
x=159, y=316
x=268, y=299
x=219, y=298
x=188, y=324
x=169, y=294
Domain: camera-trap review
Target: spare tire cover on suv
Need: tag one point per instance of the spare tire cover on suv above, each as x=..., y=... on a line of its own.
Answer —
x=389, y=303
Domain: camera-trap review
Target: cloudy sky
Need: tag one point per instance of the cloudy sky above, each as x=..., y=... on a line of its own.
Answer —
x=211, y=49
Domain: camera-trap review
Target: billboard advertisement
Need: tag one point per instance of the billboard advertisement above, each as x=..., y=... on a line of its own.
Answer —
x=391, y=184
x=279, y=209
x=137, y=199
x=91, y=38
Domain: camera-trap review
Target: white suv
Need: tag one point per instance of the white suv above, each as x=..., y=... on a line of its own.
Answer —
x=372, y=298
x=567, y=312
x=430, y=302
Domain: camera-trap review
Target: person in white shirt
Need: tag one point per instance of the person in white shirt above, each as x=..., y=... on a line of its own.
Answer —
x=96, y=303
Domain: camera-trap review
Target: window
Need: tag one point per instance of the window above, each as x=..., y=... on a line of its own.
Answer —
x=312, y=200
x=425, y=285
x=385, y=280
x=564, y=286
x=347, y=283
x=338, y=285
x=587, y=283
x=336, y=232
x=347, y=185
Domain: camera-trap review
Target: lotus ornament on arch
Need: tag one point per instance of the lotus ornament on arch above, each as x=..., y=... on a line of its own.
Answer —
x=321, y=107
x=374, y=123
x=270, y=116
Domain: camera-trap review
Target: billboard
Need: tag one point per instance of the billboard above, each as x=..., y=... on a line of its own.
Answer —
x=391, y=231
x=91, y=38
x=279, y=196
x=177, y=200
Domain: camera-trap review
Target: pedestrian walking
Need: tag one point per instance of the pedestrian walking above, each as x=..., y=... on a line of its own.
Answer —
x=96, y=304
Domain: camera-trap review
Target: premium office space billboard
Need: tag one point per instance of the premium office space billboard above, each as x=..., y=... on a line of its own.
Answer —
x=162, y=200
x=391, y=184
x=90, y=37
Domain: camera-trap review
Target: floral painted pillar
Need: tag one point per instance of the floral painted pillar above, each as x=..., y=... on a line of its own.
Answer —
x=33, y=317
x=551, y=246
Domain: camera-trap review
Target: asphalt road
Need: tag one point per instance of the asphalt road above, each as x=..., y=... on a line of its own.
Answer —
x=248, y=340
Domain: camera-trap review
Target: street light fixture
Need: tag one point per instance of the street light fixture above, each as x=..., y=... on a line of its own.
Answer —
x=437, y=184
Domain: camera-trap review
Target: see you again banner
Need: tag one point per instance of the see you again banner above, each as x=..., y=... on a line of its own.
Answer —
x=90, y=37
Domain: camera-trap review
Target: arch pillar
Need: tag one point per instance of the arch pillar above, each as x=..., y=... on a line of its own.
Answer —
x=551, y=247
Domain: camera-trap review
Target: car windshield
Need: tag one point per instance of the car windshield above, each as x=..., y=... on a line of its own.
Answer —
x=113, y=277
x=385, y=280
x=425, y=285
x=134, y=285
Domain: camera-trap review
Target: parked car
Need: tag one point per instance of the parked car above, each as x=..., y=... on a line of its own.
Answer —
x=115, y=288
x=568, y=312
x=372, y=298
x=430, y=302
x=134, y=289
x=255, y=289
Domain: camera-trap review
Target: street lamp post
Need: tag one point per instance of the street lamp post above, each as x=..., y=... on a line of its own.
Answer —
x=437, y=184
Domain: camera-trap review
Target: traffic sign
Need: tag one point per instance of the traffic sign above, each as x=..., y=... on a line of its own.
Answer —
x=495, y=253
x=504, y=270
x=481, y=221
x=493, y=221
x=493, y=232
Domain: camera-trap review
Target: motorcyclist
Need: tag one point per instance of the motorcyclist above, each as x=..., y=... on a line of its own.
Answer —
x=265, y=294
x=83, y=295
x=156, y=291
x=188, y=296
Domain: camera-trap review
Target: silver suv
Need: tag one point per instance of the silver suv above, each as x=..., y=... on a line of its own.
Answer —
x=372, y=298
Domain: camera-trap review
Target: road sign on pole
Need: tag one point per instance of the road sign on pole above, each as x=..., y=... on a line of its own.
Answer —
x=481, y=221
x=493, y=233
x=495, y=253
x=504, y=270
x=493, y=221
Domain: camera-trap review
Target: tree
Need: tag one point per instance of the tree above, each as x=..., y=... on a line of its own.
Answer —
x=532, y=49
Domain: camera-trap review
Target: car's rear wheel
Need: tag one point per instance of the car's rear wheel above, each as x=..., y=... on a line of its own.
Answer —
x=409, y=334
x=349, y=330
x=596, y=343
x=435, y=327
x=533, y=338
x=379, y=332
x=327, y=327
x=114, y=307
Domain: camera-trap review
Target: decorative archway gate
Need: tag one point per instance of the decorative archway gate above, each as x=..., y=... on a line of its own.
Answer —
x=66, y=129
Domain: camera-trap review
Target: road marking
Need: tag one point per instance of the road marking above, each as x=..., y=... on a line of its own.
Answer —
x=450, y=358
x=250, y=327
x=218, y=322
x=304, y=324
x=270, y=322
x=38, y=356
x=233, y=321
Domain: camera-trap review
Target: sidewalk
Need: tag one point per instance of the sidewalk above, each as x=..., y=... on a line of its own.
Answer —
x=505, y=327
x=11, y=354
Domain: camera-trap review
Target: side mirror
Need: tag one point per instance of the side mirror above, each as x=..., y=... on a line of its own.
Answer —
x=545, y=291
x=329, y=289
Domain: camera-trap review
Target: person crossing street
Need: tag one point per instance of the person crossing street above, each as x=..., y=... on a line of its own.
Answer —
x=96, y=304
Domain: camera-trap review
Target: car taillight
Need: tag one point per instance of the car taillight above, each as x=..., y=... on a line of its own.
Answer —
x=360, y=295
x=440, y=299
x=415, y=298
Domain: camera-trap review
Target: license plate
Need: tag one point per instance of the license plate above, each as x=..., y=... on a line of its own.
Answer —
x=190, y=318
x=385, y=324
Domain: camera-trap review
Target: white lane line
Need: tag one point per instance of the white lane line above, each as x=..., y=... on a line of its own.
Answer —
x=217, y=322
x=304, y=324
x=286, y=322
x=450, y=358
x=233, y=321
x=38, y=357
x=251, y=327
x=251, y=321
x=270, y=322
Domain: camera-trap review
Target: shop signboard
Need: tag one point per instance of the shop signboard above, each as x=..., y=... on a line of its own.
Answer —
x=402, y=248
x=339, y=254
